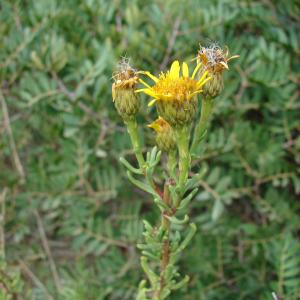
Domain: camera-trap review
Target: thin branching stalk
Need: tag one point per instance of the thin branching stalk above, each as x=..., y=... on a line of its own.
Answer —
x=200, y=129
x=165, y=252
x=134, y=136
x=183, y=138
x=171, y=164
x=2, y=223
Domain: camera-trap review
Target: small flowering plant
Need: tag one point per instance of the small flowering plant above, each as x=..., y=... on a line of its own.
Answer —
x=175, y=94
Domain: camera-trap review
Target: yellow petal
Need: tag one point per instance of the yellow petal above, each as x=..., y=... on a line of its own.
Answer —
x=152, y=94
x=202, y=77
x=203, y=82
x=194, y=93
x=144, y=83
x=196, y=70
x=147, y=92
x=141, y=90
x=151, y=103
x=154, y=78
x=175, y=68
x=185, y=70
x=154, y=126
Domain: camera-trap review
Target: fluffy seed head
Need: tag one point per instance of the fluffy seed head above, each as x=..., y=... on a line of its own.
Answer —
x=123, y=89
x=214, y=61
x=125, y=72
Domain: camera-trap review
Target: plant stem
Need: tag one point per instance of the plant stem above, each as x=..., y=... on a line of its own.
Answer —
x=164, y=221
x=2, y=223
x=132, y=129
x=183, y=138
x=165, y=252
x=171, y=164
x=133, y=133
x=206, y=109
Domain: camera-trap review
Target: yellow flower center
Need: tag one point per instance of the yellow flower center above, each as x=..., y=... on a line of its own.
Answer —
x=175, y=88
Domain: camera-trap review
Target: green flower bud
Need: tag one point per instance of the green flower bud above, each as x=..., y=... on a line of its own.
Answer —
x=213, y=87
x=165, y=138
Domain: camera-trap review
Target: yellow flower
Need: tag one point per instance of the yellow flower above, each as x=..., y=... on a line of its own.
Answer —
x=165, y=138
x=175, y=93
x=159, y=125
x=170, y=86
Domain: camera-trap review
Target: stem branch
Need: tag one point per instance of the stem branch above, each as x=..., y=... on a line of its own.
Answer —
x=171, y=164
x=183, y=137
x=206, y=109
x=133, y=133
x=165, y=252
x=2, y=223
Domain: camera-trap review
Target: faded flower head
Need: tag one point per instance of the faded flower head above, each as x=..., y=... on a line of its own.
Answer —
x=123, y=89
x=214, y=58
x=165, y=138
x=214, y=61
x=174, y=93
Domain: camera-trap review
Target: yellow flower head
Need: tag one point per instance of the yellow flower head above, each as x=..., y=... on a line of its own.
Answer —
x=174, y=93
x=171, y=86
x=214, y=59
x=165, y=138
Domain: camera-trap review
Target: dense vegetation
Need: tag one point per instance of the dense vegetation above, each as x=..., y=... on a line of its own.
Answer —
x=70, y=219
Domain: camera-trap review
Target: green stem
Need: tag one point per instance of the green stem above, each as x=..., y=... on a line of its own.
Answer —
x=2, y=223
x=165, y=251
x=134, y=136
x=183, y=138
x=171, y=164
x=206, y=109
x=167, y=200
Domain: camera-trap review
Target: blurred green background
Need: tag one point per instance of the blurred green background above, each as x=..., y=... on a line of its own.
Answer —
x=69, y=217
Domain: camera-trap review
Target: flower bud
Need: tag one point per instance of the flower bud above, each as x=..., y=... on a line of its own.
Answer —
x=213, y=60
x=214, y=87
x=165, y=138
x=123, y=90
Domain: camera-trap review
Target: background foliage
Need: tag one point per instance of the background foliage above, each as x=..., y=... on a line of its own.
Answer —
x=69, y=215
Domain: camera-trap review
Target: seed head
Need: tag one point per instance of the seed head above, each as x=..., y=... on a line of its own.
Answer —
x=123, y=90
x=214, y=60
